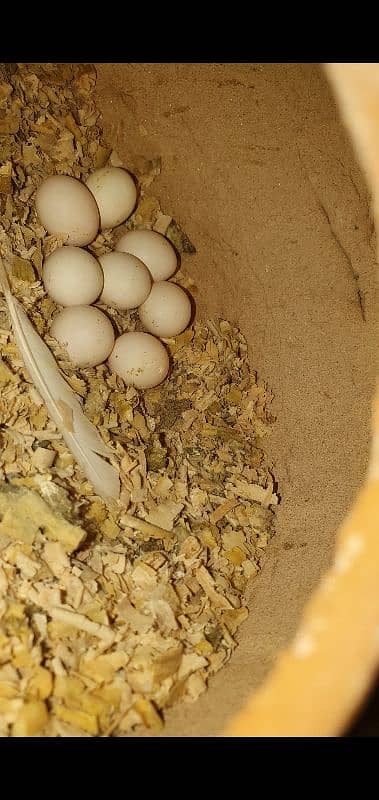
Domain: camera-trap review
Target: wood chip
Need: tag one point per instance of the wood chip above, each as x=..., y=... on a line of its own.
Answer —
x=82, y=623
x=207, y=583
x=223, y=509
x=24, y=513
x=150, y=531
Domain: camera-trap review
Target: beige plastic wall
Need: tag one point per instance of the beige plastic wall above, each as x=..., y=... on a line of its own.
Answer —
x=259, y=171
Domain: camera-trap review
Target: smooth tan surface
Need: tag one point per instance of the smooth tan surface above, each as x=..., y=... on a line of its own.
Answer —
x=258, y=170
x=319, y=682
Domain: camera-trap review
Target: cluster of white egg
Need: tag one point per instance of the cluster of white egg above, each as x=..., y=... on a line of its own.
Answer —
x=134, y=276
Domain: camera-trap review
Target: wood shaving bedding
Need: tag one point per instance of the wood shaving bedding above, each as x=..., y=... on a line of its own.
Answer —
x=111, y=613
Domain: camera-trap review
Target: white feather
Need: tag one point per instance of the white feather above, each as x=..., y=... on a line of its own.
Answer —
x=81, y=437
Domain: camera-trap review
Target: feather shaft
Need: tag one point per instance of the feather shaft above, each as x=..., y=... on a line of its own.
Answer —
x=81, y=437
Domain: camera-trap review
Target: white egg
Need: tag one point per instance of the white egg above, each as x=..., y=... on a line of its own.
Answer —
x=72, y=277
x=66, y=207
x=115, y=193
x=141, y=360
x=127, y=282
x=167, y=310
x=86, y=333
x=153, y=249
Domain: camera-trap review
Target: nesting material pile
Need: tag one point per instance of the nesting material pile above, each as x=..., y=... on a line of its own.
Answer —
x=112, y=612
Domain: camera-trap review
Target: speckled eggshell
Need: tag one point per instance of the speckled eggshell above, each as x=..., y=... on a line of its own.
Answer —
x=153, y=249
x=115, y=193
x=66, y=207
x=139, y=359
x=167, y=310
x=86, y=333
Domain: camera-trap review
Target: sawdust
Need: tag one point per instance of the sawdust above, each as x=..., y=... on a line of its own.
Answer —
x=110, y=613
